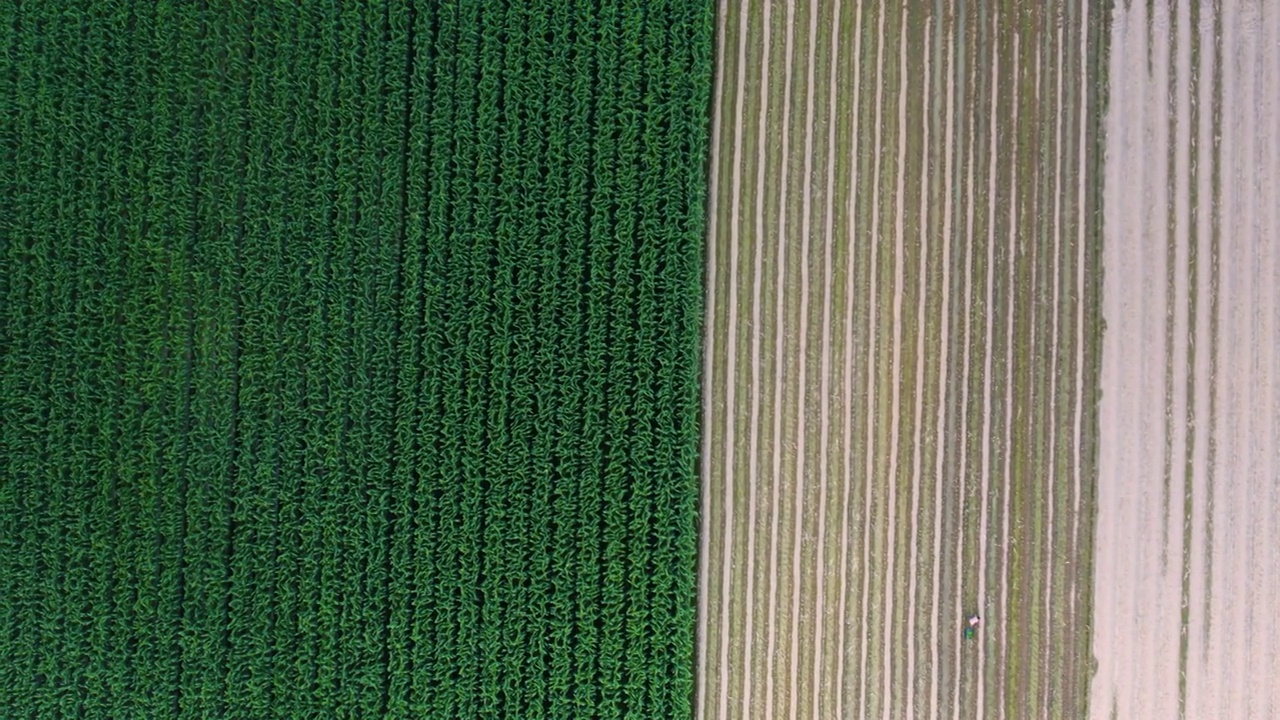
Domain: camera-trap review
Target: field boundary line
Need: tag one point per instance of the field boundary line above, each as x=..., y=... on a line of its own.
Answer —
x=708, y=369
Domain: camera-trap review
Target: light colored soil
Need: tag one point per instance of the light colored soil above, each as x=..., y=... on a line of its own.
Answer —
x=1185, y=590
x=859, y=489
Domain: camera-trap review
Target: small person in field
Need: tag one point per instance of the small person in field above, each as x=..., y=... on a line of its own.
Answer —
x=972, y=627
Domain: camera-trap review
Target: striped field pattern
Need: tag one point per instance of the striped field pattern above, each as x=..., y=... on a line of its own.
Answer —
x=351, y=357
x=1188, y=559
x=903, y=334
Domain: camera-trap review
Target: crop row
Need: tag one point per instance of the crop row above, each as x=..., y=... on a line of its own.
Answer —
x=353, y=361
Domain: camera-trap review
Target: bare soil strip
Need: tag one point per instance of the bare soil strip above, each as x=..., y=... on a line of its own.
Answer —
x=1193, y=637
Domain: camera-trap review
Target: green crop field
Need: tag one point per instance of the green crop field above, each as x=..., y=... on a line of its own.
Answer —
x=351, y=357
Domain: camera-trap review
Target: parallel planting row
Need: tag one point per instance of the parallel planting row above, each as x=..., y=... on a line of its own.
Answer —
x=903, y=331
x=351, y=358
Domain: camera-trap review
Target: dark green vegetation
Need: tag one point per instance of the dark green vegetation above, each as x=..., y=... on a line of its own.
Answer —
x=351, y=358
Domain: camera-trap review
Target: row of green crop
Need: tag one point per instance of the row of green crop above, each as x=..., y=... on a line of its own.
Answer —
x=353, y=361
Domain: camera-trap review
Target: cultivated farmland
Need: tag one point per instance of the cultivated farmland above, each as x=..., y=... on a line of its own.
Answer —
x=350, y=359
x=902, y=340
x=1188, y=557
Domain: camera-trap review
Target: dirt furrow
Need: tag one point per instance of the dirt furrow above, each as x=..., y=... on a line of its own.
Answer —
x=961, y=479
x=1228, y=583
x=890, y=681
x=1183, y=178
x=1051, y=560
x=780, y=360
x=820, y=609
x=757, y=333
x=1204, y=158
x=847, y=464
x=921, y=276
x=708, y=372
x=986, y=370
x=731, y=382
x=871, y=370
x=943, y=353
x=1008, y=419
x=1036, y=483
x=1247, y=653
x=1082, y=176
x=1269, y=187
